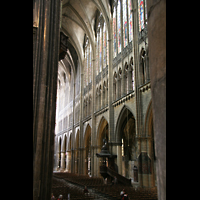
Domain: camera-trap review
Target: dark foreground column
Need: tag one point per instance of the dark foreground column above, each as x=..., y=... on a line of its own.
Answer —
x=157, y=63
x=46, y=36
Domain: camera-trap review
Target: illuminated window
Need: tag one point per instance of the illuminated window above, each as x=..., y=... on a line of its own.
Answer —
x=141, y=14
x=100, y=51
x=114, y=34
x=87, y=62
x=130, y=21
x=145, y=10
x=125, y=25
x=104, y=45
x=107, y=51
x=119, y=25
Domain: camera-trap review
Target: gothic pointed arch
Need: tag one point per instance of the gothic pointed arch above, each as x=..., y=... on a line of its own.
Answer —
x=126, y=136
x=102, y=131
x=149, y=133
x=87, y=150
x=122, y=116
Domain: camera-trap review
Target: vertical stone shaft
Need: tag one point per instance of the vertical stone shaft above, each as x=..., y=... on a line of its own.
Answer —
x=45, y=67
x=157, y=64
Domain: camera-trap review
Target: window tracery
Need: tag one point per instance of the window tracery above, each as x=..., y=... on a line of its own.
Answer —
x=122, y=25
x=100, y=51
x=104, y=46
x=125, y=25
x=130, y=20
x=122, y=38
x=142, y=14
x=114, y=34
x=88, y=63
x=119, y=25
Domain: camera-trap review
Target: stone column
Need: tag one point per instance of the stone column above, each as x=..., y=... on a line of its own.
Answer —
x=123, y=83
x=117, y=88
x=75, y=161
x=96, y=161
x=119, y=159
x=96, y=102
x=73, y=142
x=99, y=99
x=62, y=161
x=107, y=93
x=68, y=157
x=157, y=65
x=92, y=110
x=45, y=68
x=129, y=77
x=55, y=154
x=80, y=166
x=111, y=135
x=87, y=107
x=72, y=160
x=103, y=96
x=147, y=65
x=81, y=161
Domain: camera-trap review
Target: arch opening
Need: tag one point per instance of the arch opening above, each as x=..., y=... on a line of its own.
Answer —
x=126, y=137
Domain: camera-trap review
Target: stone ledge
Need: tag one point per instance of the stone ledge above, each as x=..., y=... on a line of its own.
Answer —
x=123, y=99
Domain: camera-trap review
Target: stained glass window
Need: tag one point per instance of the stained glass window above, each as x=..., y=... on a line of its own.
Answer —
x=114, y=34
x=100, y=51
x=145, y=5
x=104, y=45
x=130, y=21
x=119, y=25
x=141, y=14
x=125, y=28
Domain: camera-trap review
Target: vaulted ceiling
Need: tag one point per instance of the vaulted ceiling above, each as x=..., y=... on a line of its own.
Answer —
x=79, y=18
